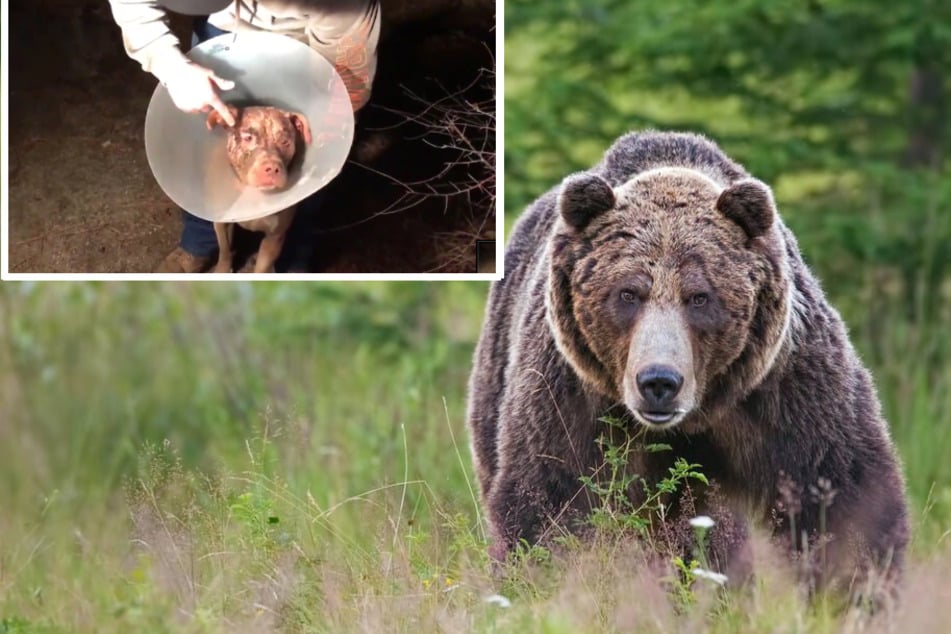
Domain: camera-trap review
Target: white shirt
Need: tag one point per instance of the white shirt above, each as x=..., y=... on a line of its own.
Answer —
x=345, y=32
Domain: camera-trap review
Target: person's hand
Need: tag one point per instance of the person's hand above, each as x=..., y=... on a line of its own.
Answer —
x=193, y=89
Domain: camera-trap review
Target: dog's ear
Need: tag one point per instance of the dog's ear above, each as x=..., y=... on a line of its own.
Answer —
x=300, y=122
x=215, y=118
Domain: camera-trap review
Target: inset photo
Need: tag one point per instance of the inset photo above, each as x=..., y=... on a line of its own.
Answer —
x=350, y=138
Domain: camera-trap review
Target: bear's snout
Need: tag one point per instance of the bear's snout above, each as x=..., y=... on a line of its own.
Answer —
x=659, y=385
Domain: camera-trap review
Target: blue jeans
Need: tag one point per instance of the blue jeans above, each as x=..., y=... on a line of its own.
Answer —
x=198, y=235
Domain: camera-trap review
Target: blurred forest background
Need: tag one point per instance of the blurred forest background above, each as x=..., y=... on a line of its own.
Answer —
x=293, y=457
x=843, y=107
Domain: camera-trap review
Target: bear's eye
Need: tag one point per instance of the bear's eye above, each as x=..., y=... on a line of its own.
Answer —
x=628, y=296
x=699, y=300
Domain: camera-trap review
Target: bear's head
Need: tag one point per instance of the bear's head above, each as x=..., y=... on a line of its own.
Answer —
x=669, y=294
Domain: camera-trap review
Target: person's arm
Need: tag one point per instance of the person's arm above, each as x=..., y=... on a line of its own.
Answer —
x=149, y=41
x=146, y=36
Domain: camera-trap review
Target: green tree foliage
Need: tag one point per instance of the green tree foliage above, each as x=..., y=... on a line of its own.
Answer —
x=786, y=85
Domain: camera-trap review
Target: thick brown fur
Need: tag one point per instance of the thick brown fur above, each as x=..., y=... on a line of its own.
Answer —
x=669, y=250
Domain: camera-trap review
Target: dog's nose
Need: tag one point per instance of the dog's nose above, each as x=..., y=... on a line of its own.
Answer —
x=659, y=385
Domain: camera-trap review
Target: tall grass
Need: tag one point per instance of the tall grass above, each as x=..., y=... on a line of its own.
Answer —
x=237, y=458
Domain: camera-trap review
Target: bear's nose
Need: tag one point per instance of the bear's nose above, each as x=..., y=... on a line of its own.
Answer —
x=659, y=384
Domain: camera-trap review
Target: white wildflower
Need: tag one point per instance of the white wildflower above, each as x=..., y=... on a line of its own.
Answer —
x=709, y=575
x=499, y=600
x=702, y=521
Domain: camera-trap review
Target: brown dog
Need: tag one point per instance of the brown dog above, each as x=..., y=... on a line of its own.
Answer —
x=261, y=145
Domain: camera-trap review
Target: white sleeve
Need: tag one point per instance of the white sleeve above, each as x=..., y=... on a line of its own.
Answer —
x=146, y=36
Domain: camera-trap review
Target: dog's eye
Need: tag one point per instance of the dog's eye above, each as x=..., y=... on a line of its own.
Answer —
x=699, y=300
x=628, y=296
x=247, y=137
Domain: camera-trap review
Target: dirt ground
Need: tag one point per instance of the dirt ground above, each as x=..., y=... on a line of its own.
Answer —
x=415, y=196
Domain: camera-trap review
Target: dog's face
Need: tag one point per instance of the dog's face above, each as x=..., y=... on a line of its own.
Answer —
x=262, y=143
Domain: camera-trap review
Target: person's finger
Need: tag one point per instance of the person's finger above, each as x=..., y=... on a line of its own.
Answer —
x=224, y=84
x=222, y=109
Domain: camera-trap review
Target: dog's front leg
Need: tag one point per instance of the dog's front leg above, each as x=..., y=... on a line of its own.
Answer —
x=224, y=231
x=273, y=241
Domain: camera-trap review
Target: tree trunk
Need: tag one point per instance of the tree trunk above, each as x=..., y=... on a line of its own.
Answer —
x=926, y=103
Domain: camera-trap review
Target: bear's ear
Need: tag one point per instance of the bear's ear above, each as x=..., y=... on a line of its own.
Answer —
x=748, y=203
x=583, y=197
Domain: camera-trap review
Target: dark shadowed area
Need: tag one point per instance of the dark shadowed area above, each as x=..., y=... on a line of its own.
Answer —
x=417, y=191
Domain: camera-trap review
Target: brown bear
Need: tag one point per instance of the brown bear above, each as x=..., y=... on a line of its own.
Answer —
x=661, y=287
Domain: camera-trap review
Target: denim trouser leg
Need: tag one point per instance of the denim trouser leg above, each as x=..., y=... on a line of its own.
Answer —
x=198, y=235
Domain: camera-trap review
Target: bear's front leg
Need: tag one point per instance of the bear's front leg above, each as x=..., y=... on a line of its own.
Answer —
x=852, y=530
x=546, y=435
x=533, y=505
